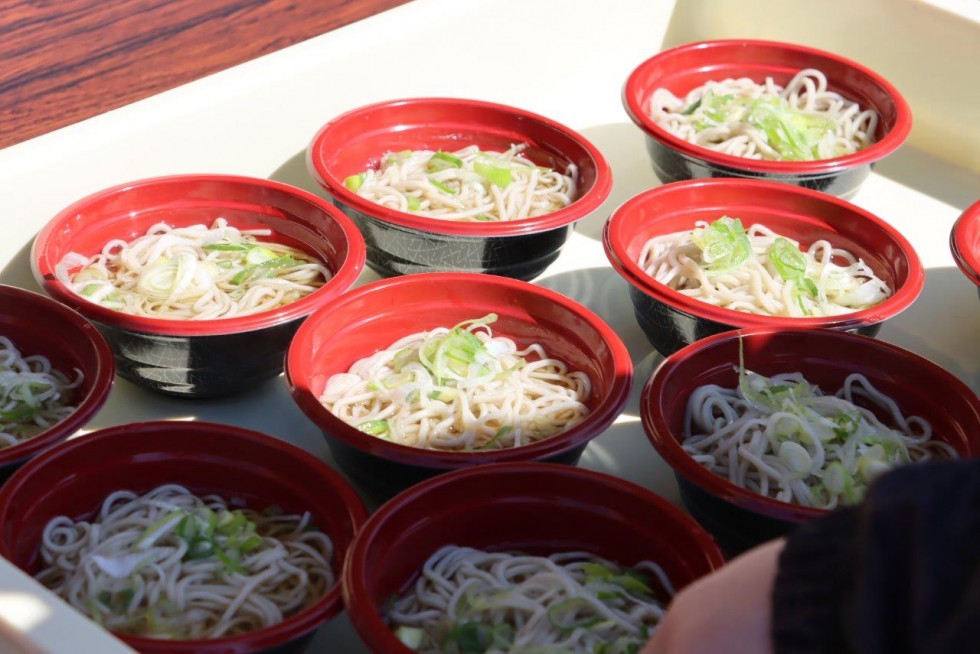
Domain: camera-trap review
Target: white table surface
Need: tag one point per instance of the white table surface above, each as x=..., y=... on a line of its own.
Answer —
x=564, y=59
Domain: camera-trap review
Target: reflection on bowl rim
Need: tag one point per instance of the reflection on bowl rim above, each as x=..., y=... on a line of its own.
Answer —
x=582, y=206
x=101, y=382
x=342, y=278
x=877, y=150
x=966, y=256
x=614, y=243
x=668, y=445
x=603, y=415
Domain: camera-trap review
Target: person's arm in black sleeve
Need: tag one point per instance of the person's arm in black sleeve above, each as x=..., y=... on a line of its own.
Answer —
x=898, y=574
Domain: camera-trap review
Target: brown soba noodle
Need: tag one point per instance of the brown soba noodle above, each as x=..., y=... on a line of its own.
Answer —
x=469, y=600
x=194, y=273
x=33, y=396
x=802, y=121
x=171, y=565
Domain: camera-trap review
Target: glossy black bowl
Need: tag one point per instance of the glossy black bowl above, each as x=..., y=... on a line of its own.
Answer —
x=401, y=243
x=200, y=358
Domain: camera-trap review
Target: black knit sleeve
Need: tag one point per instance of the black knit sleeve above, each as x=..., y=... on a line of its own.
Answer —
x=900, y=574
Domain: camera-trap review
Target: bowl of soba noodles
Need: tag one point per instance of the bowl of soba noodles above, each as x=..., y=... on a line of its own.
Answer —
x=56, y=372
x=185, y=537
x=766, y=429
x=705, y=256
x=964, y=242
x=198, y=282
x=412, y=376
x=442, y=184
x=765, y=110
x=521, y=557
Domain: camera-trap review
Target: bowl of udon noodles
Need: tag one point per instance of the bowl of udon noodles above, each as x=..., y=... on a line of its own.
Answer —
x=185, y=537
x=521, y=557
x=198, y=282
x=766, y=428
x=416, y=375
x=56, y=372
x=964, y=242
x=443, y=184
x=765, y=110
x=705, y=256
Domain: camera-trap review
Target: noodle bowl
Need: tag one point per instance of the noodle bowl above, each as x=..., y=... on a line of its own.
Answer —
x=802, y=121
x=33, y=396
x=193, y=273
x=471, y=600
x=171, y=565
x=467, y=185
x=758, y=271
x=459, y=389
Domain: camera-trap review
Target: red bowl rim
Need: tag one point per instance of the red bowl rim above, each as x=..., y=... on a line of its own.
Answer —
x=362, y=611
x=581, y=207
x=967, y=257
x=663, y=440
x=105, y=374
x=615, y=249
x=298, y=365
x=342, y=278
x=289, y=629
x=878, y=150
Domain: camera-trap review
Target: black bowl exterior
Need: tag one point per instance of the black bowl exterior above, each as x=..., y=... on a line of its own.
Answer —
x=668, y=329
x=672, y=166
x=380, y=479
x=735, y=529
x=395, y=250
x=295, y=646
x=200, y=367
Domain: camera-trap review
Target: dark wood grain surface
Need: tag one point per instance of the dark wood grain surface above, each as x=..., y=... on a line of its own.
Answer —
x=62, y=61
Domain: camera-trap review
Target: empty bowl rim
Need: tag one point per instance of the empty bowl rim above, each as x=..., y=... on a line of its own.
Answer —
x=967, y=258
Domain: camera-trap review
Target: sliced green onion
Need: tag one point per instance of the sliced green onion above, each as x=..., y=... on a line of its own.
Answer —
x=483, y=218
x=414, y=204
x=443, y=161
x=690, y=110
x=375, y=427
x=796, y=457
x=411, y=637
x=562, y=615
x=225, y=246
x=790, y=262
x=724, y=244
x=354, y=182
x=258, y=254
x=445, y=188
x=264, y=269
x=495, y=171
x=159, y=528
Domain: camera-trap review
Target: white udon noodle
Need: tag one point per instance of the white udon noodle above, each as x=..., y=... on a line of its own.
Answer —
x=807, y=92
x=190, y=599
x=525, y=396
x=756, y=286
x=533, y=190
x=33, y=396
x=461, y=584
x=168, y=273
x=761, y=448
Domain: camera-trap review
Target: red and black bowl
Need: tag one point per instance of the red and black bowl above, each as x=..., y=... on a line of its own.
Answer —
x=400, y=242
x=535, y=508
x=740, y=518
x=671, y=319
x=686, y=67
x=200, y=358
x=74, y=478
x=372, y=317
x=964, y=241
x=37, y=325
